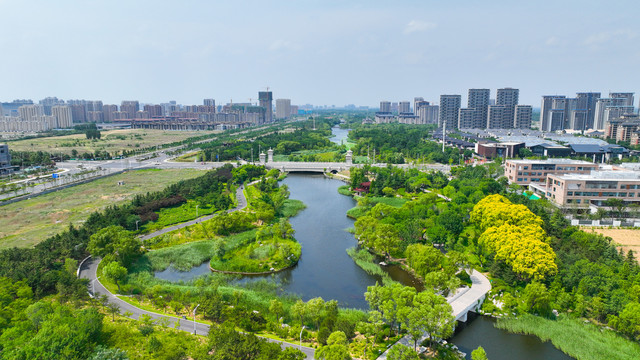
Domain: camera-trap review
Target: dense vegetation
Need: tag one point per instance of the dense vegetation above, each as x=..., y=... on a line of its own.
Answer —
x=399, y=144
x=537, y=261
x=285, y=142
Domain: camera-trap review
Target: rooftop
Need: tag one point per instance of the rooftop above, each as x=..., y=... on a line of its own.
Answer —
x=552, y=161
x=602, y=175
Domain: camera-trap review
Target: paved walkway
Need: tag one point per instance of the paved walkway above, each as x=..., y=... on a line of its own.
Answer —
x=88, y=270
x=461, y=303
x=242, y=203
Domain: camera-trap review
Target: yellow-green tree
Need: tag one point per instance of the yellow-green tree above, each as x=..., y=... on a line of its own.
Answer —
x=496, y=210
x=523, y=248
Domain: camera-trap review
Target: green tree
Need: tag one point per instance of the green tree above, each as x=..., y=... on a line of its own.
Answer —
x=479, y=353
x=401, y=352
x=115, y=272
x=336, y=348
x=116, y=241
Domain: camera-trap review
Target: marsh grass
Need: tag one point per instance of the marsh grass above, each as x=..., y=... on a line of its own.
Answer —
x=292, y=208
x=367, y=262
x=580, y=340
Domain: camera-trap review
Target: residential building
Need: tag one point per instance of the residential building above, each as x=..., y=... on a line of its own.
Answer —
x=63, y=116
x=508, y=97
x=385, y=107
x=404, y=107
x=623, y=127
x=28, y=112
x=587, y=101
x=209, y=102
x=498, y=117
x=107, y=112
x=545, y=109
x=283, y=108
x=449, y=111
x=479, y=99
x=426, y=113
x=130, y=108
x=601, y=106
x=523, y=172
x=78, y=113
x=522, y=117
x=470, y=118
x=627, y=97
x=266, y=101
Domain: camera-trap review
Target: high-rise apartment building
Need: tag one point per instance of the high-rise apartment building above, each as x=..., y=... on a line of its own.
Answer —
x=498, y=117
x=479, y=99
x=601, y=106
x=508, y=97
x=470, y=118
x=545, y=108
x=587, y=101
x=417, y=101
x=266, y=101
x=78, y=113
x=28, y=112
x=626, y=96
x=426, y=113
x=404, y=107
x=130, y=108
x=107, y=111
x=522, y=116
x=449, y=111
x=283, y=108
x=385, y=106
x=209, y=102
x=63, y=115
x=154, y=111
x=555, y=120
x=50, y=102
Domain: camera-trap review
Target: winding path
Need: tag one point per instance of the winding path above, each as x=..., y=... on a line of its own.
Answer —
x=89, y=267
x=242, y=203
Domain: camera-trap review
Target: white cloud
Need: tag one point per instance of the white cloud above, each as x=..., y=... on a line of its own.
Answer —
x=418, y=26
x=607, y=36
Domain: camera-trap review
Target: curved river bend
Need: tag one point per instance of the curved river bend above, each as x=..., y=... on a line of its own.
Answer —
x=327, y=271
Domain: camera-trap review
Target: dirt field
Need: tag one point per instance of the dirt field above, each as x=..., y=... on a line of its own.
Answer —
x=112, y=141
x=627, y=239
x=26, y=223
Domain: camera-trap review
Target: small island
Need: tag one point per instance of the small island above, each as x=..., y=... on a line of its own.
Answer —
x=273, y=249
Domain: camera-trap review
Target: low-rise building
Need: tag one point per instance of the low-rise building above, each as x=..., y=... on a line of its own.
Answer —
x=591, y=190
x=504, y=149
x=524, y=172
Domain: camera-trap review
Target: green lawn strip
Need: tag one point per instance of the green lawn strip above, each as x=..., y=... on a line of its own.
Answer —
x=150, y=308
x=580, y=340
x=26, y=223
x=271, y=336
x=176, y=215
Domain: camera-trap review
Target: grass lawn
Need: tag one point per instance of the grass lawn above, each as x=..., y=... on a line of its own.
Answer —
x=580, y=340
x=112, y=141
x=27, y=222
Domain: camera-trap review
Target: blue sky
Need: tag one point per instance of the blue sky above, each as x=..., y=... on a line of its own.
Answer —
x=319, y=52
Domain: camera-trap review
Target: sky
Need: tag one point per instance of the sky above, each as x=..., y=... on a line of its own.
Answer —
x=319, y=52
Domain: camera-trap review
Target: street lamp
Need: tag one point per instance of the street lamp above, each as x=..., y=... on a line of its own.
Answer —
x=194, y=319
x=196, y=210
x=137, y=221
x=301, y=337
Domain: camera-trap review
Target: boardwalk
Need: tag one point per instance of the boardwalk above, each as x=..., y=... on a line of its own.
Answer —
x=461, y=302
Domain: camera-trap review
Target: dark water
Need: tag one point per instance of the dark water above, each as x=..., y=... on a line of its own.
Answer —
x=339, y=135
x=500, y=344
x=172, y=274
x=324, y=268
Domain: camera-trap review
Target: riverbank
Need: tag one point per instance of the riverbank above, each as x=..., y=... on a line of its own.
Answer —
x=575, y=337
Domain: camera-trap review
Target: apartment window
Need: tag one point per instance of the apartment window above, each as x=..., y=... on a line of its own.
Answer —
x=577, y=201
x=569, y=193
x=519, y=179
x=526, y=167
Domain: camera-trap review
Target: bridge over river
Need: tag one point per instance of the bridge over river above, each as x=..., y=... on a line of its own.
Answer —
x=463, y=301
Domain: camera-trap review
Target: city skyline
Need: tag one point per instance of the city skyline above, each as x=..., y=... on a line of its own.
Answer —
x=321, y=53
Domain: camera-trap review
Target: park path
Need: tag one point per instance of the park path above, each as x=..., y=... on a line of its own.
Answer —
x=462, y=301
x=88, y=270
x=242, y=203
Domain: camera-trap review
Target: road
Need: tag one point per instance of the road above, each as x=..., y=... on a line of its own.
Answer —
x=88, y=270
x=242, y=203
